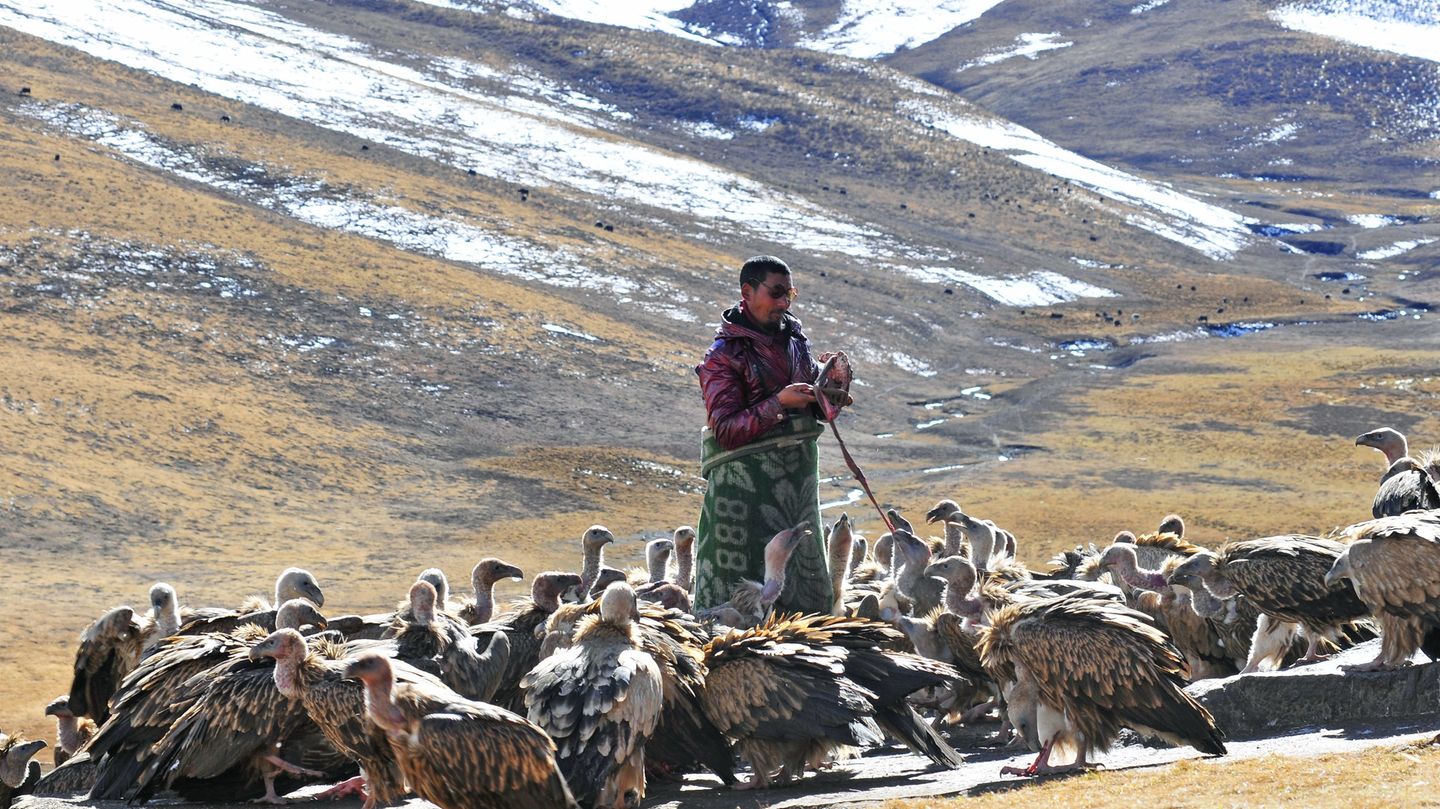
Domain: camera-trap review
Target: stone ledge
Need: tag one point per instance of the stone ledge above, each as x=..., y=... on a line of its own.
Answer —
x=1253, y=705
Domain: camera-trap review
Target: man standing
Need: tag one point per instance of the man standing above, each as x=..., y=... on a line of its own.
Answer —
x=759, y=456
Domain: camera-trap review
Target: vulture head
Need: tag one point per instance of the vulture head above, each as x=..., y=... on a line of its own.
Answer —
x=1340, y=570
x=1172, y=524
x=15, y=758
x=164, y=604
x=437, y=579
x=606, y=577
x=684, y=539
x=1120, y=559
x=943, y=511
x=657, y=557
x=59, y=707
x=1391, y=442
x=595, y=538
x=546, y=588
x=296, y=613
x=375, y=673
x=671, y=596
x=897, y=522
x=282, y=644
x=422, y=602
x=489, y=571
x=297, y=583
x=617, y=604
x=777, y=555
x=1199, y=572
x=885, y=551
x=1124, y=537
x=956, y=571
x=912, y=549
x=982, y=540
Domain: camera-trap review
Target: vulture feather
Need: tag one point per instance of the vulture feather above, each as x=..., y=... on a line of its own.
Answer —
x=1284, y=577
x=292, y=583
x=1407, y=483
x=457, y=753
x=523, y=626
x=109, y=649
x=1394, y=565
x=1094, y=667
x=600, y=701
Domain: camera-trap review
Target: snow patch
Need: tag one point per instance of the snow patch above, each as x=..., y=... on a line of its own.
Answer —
x=1210, y=229
x=1029, y=46
x=1372, y=220
x=1393, y=250
x=1406, y=28
x=1150, y=6
x=866, y=29
x=1041, y=288
x=554, y=329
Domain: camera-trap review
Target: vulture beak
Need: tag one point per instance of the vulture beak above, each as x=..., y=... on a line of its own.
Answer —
x=1338, y=572
x=1366, y=440
x=941, y=512
x=508, y=571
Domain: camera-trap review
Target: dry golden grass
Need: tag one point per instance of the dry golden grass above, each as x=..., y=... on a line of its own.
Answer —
x=1381, y=777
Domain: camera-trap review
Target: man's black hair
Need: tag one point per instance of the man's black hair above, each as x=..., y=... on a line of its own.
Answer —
x=755, y=269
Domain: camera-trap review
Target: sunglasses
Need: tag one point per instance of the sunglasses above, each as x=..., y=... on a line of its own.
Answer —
x=780, y=291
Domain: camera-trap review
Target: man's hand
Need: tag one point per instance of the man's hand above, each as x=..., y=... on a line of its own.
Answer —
x=796, y=395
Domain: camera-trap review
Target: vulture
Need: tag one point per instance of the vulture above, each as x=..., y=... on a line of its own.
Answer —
x=592, y=545
x=486, y=573
x=600, y=701
x=606, y=577
x=684, y=539
x=441, y=645
x=684, y=738
x=1394, y=565
x=523, y=627
x=1089, y=668
x=751, y=601
x=460, y=754
x=657, y=560
x=923, y=591
x=1408, y=482
x=71, y=731
x=314, y=676
x=799, y=690
x=1283, y=577
x=1209, y=649
x=292, y=583
x=18, y=771
x=109, y=649
x=161, y=689
x=838, y=545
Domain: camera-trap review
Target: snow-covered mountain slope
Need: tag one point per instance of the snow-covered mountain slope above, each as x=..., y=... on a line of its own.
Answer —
x=1405, y=27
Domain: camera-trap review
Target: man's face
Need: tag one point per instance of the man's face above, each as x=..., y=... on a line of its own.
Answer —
x=769, y=301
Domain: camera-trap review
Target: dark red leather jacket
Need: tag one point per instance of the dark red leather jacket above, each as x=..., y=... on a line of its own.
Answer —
x=744, y=370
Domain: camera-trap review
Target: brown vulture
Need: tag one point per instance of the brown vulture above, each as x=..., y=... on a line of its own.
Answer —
x=483, y=577
x=1091, y=668
x=314, y=675
x=600, y=701
x=592, y=547
x=162, y=688
x=751, y=601
x=71, y=731
x=1394, y=565
x=797, y=690
x=838, y=544
x=1283, y=577
x=1408, y=482
x=684, y=539
x=109, y=649
x=685, y=737
x=524, y=628
x=457, y=753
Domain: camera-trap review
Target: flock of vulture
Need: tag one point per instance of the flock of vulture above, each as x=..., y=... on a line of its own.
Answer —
x=603, y=678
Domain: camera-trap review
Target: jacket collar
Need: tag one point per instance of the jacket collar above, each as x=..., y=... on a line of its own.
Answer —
x=734, y=324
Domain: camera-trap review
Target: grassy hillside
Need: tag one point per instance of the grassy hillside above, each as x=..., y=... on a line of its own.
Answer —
x=228, y=348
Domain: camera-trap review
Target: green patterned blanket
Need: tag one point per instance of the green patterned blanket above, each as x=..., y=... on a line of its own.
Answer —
x=752, y=493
